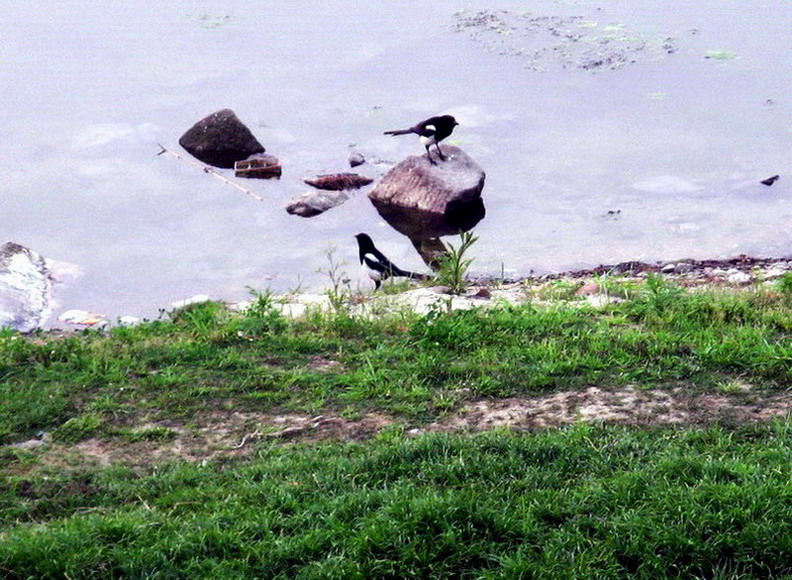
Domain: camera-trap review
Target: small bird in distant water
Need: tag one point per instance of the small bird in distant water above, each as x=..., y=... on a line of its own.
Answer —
x=431, y=132
x=377, y=266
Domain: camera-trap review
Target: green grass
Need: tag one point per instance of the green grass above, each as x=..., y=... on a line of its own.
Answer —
x=581, y=502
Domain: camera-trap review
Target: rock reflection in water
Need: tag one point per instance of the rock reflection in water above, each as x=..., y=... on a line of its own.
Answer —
x=425, y=201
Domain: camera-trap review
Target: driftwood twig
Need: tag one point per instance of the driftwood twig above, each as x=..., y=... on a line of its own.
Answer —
x=210, y=170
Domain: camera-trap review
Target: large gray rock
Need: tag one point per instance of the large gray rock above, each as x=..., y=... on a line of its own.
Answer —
x=425, y=201
x=27, y=283
x=220, y=139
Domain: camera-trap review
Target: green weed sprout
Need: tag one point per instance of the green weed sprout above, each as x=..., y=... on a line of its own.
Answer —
x=454, y=265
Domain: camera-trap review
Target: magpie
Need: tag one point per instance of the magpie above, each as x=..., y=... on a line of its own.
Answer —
x=377, y=266
x=431, y=132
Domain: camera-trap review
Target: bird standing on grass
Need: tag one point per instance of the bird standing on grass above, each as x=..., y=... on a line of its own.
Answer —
x=431, y=132
x=377, y=266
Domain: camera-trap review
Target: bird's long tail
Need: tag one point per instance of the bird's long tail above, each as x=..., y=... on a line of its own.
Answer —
x=399, y=132
x=412, y=275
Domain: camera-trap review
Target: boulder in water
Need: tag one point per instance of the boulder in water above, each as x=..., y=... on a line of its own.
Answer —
x=220, y=140
x=425, y=200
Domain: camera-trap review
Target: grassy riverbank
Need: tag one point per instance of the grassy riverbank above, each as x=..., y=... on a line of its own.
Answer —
x=216, y=444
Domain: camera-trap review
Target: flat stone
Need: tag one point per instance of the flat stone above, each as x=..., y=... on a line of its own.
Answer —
x=258, y=166
x=339, y=181
x=314, y=203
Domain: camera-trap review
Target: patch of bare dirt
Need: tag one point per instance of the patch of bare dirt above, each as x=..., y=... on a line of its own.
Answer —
x=626, y=406
x=217, y=435
x=321, y=364
x=225, y=435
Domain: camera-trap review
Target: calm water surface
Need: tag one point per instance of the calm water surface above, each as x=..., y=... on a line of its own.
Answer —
x=657, y=160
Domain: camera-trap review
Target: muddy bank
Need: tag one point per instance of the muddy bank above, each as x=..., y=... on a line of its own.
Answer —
x=738, y=270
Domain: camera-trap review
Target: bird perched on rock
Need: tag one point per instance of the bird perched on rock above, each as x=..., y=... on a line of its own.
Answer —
x=377, y=266
x=431, y=132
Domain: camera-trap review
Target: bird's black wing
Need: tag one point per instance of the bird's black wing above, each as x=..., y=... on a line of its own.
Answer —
x=380, y=264
x=386, y=268
x=427, y=130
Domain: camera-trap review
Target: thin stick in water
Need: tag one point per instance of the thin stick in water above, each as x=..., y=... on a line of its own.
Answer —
x=210, y=170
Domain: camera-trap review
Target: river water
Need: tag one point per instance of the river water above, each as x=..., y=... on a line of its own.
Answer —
x=609, y=131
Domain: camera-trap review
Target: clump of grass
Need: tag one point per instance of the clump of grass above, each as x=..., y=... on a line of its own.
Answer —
x=556, y=290
x=261, y=316
x=78, y=428
x=156, y=433
x=395, y=286
x=622, y=287
x=340, y=291
x=657, y=300
x=201, y=318
x=784, y=286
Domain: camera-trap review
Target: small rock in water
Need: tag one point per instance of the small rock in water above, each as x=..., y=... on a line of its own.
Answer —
x=314, y=203
x=259, y=166
x=339, y=181
x=356, y=159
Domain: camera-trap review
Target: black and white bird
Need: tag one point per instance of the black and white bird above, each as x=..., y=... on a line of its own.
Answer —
x=377, y=266
x=431, y=132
